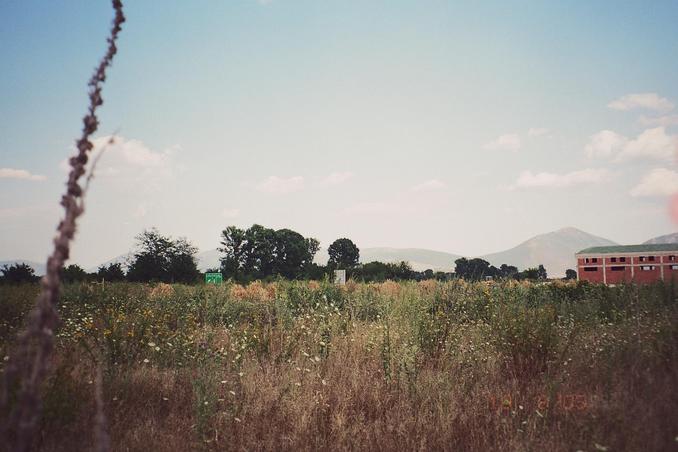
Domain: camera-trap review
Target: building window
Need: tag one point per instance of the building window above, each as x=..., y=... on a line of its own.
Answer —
x=647, y=268
x=672, y=258
x=594, y=260
x=642, y=258
x=622, y=259
x=674, y=267
x=617, y=268
x=613, y=259
x=590, y=269
x=651, y=258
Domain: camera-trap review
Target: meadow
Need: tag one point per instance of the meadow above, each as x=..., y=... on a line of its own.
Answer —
x=293, y=365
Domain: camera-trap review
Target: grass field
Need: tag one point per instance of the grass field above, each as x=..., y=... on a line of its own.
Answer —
x=391, y=366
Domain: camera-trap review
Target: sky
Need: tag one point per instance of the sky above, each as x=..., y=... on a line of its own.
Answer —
x=465, y=127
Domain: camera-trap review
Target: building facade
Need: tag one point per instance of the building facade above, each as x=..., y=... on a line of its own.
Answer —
x=625, y=264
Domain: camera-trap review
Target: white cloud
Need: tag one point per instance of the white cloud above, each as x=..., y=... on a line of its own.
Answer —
x=664, y=121
x=649, y=101
x=537, y=132
x=552, y=180
x=337, y=178
x=129, y=164
x=508, y=142
x=651, y=143
x=279, y=186
x=11, y=173
x=605, y=144
x=430, y=185
x=230, y=213
x=658, y=182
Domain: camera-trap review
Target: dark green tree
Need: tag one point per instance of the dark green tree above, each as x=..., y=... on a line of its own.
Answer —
x=343, y=254
x=259, y=252
x=18, y=273
x=475, y=269
x=570, y=274
x=74, y=273
x=111, y=273
x=234, y=250
x=541, y=272
x=160, y=258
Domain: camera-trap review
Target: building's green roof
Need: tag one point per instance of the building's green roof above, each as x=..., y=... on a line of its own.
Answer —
x=630, y=248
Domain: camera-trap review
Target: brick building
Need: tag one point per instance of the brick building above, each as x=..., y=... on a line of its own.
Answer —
x=631, y=263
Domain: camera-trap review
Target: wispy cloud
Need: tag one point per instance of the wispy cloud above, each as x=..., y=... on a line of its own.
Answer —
x=12, y=173
x=527, y=179
x=430, y=185
x=647, y=101
x=129, y=163
x=658, y=182
x=507, y=142
x=605, y=143
x=280, y=186
x=336, y=178
x=650, y=144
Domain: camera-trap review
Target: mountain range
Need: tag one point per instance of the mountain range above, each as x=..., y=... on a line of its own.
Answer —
x=555, y=250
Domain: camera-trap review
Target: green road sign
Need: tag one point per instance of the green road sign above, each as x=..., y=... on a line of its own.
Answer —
x=213, y=278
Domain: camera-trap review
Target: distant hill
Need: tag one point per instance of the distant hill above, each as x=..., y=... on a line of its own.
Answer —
x=555, y=250
x=122, y=259
x=39, y=268
x=668, y=238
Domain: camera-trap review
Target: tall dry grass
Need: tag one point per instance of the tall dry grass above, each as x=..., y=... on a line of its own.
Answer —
x=308, y=366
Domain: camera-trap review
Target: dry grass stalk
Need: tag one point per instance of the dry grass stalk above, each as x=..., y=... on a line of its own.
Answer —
x=30, y=360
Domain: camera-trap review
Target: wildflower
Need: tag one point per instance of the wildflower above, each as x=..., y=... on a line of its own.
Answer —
x=232, y=393
x=241, y=374
x=237, y=419
x=146, y=360
x=151, y=344
x=223, y=382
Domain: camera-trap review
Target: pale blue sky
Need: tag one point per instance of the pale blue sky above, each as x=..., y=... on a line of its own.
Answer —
x=458, y=126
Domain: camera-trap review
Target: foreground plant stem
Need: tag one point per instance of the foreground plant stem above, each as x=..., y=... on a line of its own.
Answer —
x=29, y=362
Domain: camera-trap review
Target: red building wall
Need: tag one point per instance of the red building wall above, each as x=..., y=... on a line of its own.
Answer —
x=630, y=269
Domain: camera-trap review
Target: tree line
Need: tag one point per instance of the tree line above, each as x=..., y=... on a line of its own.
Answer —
x=261, y=253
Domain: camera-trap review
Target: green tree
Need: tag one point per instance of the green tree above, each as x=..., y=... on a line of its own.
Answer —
x=293, y=253
x=160, y=258
x=111, y=273
x=570, y=274
x=474, y=269
x=234, y=250
x=74, y=273
x=259, y=252
x=343, y=254
x=18, y=273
